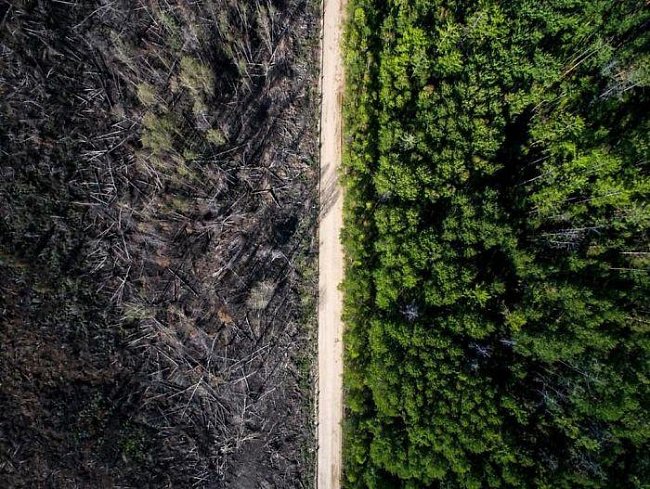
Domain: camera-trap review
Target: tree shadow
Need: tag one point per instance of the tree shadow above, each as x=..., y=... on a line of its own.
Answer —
x=329, y=194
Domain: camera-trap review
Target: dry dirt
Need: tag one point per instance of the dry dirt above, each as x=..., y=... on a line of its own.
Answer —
x=330, y=327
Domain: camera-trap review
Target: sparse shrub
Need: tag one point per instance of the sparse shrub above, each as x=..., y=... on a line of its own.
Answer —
x=147, y=94
x=174, y=33
x=158, y=133
x=196, y=77
x=215, y=136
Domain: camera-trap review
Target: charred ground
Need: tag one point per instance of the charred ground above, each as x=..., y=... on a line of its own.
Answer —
x=157, y=212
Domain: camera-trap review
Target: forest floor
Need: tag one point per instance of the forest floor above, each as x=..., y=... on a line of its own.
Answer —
x=330, y=327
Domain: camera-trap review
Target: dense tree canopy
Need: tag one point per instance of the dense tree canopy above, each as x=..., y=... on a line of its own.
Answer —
x=497, y=238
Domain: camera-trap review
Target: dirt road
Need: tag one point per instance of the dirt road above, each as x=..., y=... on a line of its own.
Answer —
x=330, y=263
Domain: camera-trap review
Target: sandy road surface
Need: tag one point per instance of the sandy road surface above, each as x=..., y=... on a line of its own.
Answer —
x=330, y=262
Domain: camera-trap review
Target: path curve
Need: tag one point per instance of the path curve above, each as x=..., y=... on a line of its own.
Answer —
x=330, y=261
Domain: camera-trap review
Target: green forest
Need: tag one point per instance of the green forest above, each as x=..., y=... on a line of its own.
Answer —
x=497, y=236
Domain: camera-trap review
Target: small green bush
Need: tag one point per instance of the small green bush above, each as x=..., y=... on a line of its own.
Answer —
x=158, y=133
x=147, y=94
x=196, y=77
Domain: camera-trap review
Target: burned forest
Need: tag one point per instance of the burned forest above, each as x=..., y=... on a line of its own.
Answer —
x=158, y=177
